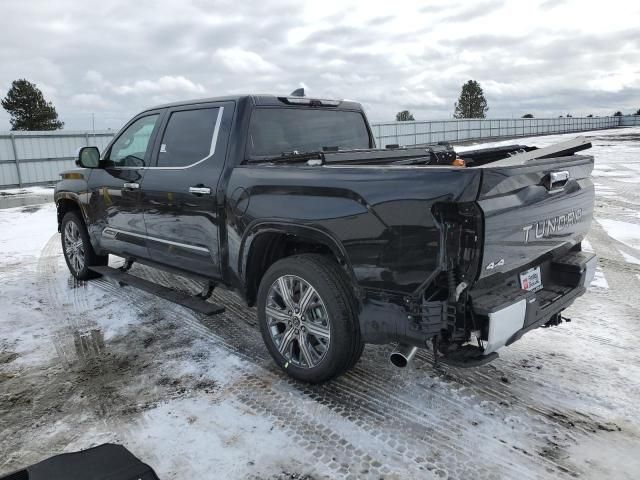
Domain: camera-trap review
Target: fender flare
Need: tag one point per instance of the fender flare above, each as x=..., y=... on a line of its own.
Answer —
x=306, y=232
x=75, y=198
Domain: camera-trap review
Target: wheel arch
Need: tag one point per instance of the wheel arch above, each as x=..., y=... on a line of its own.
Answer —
x=67, y=202
x=267, y=242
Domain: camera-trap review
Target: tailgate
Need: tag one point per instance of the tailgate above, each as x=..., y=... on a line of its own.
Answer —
x=534, y=212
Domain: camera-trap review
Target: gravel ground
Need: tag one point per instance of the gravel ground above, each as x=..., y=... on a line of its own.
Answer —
x=198, y=397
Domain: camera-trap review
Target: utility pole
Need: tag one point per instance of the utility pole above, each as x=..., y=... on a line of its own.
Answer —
x=93, y=123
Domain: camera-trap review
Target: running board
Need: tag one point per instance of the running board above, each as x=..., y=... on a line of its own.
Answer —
x=184, y=299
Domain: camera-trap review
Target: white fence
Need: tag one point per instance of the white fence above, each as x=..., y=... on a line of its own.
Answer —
x=30, y=158
x=416, y=133
x=630, y=121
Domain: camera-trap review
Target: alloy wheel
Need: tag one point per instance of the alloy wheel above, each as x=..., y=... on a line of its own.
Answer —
x=74, y=246
x=298, y=321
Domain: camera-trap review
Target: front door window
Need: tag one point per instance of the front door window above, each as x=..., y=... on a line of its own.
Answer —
x=130, y=149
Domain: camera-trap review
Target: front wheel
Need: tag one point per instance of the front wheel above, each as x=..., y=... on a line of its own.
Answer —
x=307, y=318
x=77, y=249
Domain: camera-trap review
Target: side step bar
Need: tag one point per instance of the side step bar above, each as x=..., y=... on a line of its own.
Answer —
x=190, y=301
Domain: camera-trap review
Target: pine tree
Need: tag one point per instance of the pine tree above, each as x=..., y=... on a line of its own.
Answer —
x=404, y=116
x=471, y=103
x=28, y=108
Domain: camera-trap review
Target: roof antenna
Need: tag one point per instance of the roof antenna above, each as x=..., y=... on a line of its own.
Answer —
x=298, y=92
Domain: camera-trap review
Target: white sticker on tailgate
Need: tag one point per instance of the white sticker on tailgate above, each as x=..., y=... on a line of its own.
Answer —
x=531, y=280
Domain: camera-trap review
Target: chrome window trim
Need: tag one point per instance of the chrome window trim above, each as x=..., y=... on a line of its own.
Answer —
x=112, y=232
x=212, y=149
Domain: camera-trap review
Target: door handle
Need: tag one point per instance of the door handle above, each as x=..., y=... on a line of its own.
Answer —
x=200, y=190
x=132, y=185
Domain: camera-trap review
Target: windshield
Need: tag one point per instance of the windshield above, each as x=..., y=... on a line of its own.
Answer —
x=274, y=131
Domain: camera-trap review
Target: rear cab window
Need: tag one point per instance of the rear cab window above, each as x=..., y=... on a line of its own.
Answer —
x=277, y=130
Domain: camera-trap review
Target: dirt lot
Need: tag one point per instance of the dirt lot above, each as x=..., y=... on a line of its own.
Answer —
x=198, y=397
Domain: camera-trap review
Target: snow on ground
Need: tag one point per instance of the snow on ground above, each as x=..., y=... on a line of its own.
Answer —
x=21, y=197
x=630, y=258
x=22, y=191
x=199, y=397
x=22, y=231
x=624, y=232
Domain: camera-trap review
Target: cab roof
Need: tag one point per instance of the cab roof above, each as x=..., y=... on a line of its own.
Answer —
x=256, y=99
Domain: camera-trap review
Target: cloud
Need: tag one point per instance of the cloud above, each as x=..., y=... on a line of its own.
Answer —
x=549, y=4
x=479, y=9
x=237, y=60
x=164, y=84
x=90, y=101
x=578, y=57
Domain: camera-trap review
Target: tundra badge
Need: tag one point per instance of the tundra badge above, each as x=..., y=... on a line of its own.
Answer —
x=544, y=228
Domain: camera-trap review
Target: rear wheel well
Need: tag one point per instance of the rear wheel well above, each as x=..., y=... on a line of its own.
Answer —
x=270, y=247
x=64, y=206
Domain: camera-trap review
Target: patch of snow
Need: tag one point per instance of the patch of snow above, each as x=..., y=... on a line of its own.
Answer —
x=604, y=191
x=624, y=232
x=586, y=246
x=609, y=457
x=599, y=280
x=630, y=258
x=601, y=173
x=36, y=190
x=23, y=233
x=213, y=437
x=24, y=329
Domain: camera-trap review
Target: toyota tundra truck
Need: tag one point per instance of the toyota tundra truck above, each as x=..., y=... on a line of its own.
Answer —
x=336, y=242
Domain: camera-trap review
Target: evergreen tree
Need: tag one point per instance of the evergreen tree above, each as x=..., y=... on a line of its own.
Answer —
x=404, y=116
x=471, y=103
x=28, y=108
x=637, y=112
x=617, y=114
x=527, y=115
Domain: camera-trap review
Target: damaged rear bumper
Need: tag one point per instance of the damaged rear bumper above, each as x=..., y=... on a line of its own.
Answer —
x=508, y=312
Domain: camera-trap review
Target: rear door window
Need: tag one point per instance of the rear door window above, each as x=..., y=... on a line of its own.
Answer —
x=188, y=138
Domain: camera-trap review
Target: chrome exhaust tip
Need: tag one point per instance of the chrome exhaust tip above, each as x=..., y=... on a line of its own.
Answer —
x=402, y=355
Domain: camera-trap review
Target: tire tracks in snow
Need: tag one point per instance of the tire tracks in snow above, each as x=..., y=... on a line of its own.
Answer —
x=365, y=398
x=248, y=340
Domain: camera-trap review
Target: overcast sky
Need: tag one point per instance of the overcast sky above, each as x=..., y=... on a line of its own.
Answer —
x=115, y=57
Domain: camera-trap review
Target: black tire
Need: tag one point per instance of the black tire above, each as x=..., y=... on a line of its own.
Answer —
x=345, y=345
x=85, y=250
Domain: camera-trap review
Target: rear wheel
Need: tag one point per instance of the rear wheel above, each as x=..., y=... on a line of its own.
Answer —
x=307, y=318
x=77, y=249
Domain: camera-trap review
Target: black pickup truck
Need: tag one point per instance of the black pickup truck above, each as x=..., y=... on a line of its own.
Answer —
x=287, y=201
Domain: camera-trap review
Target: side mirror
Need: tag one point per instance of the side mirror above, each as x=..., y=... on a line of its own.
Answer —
x=88, y=157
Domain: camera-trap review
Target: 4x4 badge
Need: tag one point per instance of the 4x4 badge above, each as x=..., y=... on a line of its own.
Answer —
x=493, y=265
